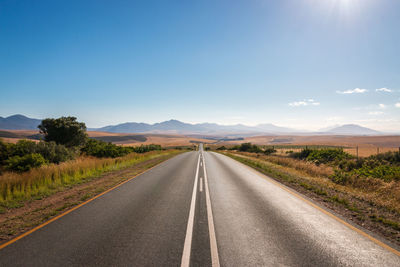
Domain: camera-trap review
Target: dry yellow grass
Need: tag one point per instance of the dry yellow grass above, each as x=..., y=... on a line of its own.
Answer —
x=376, y=191
x=370, y=202
x=42, y=181
x=367, y=145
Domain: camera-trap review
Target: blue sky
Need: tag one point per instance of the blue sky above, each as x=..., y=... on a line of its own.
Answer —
x=299, y=63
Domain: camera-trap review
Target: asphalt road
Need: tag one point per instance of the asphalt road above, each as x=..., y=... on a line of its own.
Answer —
x=198, y=209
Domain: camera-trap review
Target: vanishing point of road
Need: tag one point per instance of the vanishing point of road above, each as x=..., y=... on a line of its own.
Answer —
x=199, y=209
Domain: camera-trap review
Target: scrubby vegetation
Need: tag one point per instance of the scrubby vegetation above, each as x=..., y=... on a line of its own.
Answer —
x=249, y=147
x=25, y=155
x=366, y=188
x=324, y=155
x=347, y=168
x=41, y=182
x=66, y=156
x=65, y=139
x=384, y=166
x=102, y=149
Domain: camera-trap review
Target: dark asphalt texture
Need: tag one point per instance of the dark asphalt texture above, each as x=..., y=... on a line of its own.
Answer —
x=144, y=222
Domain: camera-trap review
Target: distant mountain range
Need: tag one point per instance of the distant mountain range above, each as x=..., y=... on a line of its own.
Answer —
x=178, y=127
x=20, y=122
x=352, y=129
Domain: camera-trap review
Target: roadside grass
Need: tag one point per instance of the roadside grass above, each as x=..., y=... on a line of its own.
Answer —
x=367, y=202
x=36, y=184
x=31, y=213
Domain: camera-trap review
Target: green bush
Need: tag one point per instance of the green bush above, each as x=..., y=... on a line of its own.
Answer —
x=248, y=147
x=145, y=148
x=22, y=148
x=50, y=151
x=325, y=155
x=25, y=163
x=387, y=173
x=101, y=149
x=5, y=151
x=55, y=153
x=269, y=151
x=221, y=148
x=388, y=158
x=341, y=177
x=303, y=154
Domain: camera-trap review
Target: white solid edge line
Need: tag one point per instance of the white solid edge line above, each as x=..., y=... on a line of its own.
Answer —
x=189, y=230
x=211, y=229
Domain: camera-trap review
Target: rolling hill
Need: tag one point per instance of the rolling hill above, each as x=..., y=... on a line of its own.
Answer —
x=19, y=122
x=353, y=129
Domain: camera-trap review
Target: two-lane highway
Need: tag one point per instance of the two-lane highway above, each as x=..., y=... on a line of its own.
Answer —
x=199, y=209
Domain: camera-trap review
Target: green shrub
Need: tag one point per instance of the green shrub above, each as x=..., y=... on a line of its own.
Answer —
x=327, y=155
x=5, y=151
x=341, y=177
x=387, y=158
x=221, y=148
x=248, y=147
x=55, y=153
x=50, y=151
x=348, y=165
x=146, y=148
x=269, y=151
x=303, y=154
x=22, y=148
x=384, y=172
x=101, y=149
x=25, y=163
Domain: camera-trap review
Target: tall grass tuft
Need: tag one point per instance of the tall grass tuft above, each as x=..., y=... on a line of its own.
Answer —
x=43, y=181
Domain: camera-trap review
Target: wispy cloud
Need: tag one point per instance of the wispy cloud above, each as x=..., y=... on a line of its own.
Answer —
x=353, y=91
x=306, y=102
x=397, y=105
x=386, y=90
x=375, y=112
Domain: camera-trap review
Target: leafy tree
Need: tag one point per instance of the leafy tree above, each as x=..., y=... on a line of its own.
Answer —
x=65, y=131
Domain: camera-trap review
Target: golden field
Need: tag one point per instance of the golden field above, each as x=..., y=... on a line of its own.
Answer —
x=367, y=145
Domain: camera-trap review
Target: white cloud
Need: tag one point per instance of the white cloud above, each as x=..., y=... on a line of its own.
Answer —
x=397, y=105
x=354, y=91
x=382, y=106
x=306, y=102
x=387, y=90
x=375, y=113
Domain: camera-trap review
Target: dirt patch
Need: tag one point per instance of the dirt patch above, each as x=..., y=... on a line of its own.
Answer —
x=16, y=221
